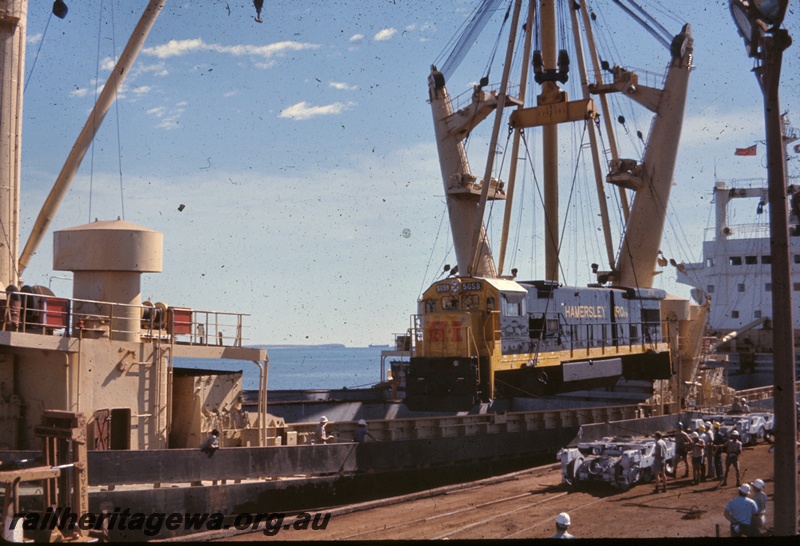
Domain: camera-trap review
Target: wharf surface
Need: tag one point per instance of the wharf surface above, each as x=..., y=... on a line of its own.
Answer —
x=524, y=505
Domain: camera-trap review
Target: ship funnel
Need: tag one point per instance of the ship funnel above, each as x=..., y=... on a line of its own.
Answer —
x=107, y=259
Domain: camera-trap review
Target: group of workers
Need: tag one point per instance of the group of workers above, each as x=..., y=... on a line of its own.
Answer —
x=706, y=445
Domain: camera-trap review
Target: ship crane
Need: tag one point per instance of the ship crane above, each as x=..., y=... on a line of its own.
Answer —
x=482, y=335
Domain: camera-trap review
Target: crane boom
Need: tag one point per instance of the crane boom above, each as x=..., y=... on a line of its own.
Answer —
x=644, y=230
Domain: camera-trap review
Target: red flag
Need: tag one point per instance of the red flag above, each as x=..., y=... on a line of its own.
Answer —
x=746, y=151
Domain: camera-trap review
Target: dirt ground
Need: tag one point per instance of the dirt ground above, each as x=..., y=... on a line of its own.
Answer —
x=524, y=505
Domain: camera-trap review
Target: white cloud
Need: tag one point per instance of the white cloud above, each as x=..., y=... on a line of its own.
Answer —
x=141, y=89
x=385, y=34
x=108, y=64
x=85, y=91
x=342, y=86
x=168, y=117
x=157, y=69
x=34, y=38
x=303, y=110
x=356, y=38
x=175, y=48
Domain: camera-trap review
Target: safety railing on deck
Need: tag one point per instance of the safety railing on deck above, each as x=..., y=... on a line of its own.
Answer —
x=28, y=312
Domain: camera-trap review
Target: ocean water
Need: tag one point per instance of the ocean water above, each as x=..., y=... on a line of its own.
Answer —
x=306, y=367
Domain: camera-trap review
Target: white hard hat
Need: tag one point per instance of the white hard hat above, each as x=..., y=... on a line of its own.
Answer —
x=362, y=422
x=744, y=489
x=758, y=484
x=695, y=435
x=563, y=519
x=323, y=419
x=735, y=433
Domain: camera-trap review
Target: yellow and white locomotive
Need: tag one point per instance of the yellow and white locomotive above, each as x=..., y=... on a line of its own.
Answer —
x=482, y=338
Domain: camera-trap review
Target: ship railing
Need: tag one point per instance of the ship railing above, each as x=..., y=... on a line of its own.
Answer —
x=33, y=313
x=740, y=231
x=751, y=183
x=649, y=78
x=464, y=99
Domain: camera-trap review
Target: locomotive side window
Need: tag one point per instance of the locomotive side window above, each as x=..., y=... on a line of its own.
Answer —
x=513, y=304
x=430, y=306
x=470, y=301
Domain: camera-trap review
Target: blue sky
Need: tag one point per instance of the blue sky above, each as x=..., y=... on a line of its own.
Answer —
x=302, y=148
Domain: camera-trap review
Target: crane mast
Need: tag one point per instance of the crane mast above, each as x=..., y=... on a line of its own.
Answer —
x=13, y=22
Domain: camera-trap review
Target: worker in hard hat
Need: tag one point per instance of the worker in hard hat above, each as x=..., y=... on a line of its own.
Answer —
x=717, y=448
x=562, y=524
x=741, y=512
x=698, y=453
x=683, y=444
x=705, y=435
x=362, y=432
x=733, y=448
x=760, y=498
x=322, y=431
x=659, y=463
x=708, y=462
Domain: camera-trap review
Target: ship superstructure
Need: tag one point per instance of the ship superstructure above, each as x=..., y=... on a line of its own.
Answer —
x=735, y=276
x=735, y=271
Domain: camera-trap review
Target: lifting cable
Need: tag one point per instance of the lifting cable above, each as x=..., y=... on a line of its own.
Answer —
x=433, y=248
x=480, y=17
x=571, y=194
x=38, y=50
x=490, y=62
x=116, y=108
x=94, y=119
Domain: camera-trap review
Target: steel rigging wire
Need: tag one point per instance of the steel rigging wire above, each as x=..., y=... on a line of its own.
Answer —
x=116, y=109
x=468, y=35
